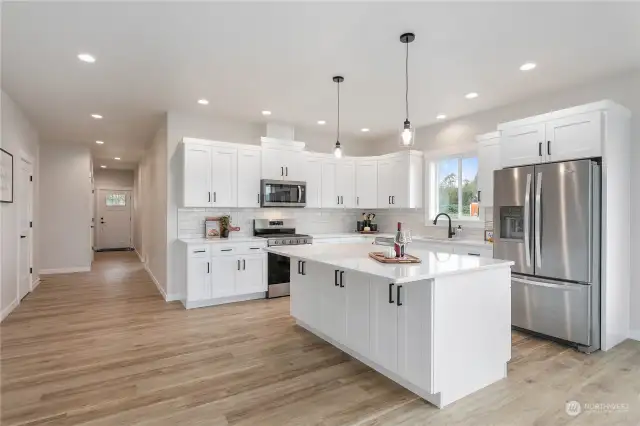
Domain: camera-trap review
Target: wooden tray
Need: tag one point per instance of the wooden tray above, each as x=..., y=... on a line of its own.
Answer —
x=379, y=256
x=368, y=232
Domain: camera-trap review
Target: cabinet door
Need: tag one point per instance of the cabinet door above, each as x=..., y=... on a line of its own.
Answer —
x=250, y=278
x=522, y=145
x=399, y=188
x=197, y=176
x=488, y=161
x=294, y=165
x=367, y=184
x=415, y=333
x=249, y=174
x=333, y=305
x=346, y=183
x=385, y=183
x=575, y=137
x=224, y=177
x=314, y=182
x=298, y=294
x=315, y=279
x=329, y=175
x=272, y=164
x=356, y=289
x=199, y=278
x=384, y=323
x=223, y=275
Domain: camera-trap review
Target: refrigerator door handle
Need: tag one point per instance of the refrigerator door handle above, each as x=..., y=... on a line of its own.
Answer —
x=538, y=222
x=527, y=221
x=563, y=286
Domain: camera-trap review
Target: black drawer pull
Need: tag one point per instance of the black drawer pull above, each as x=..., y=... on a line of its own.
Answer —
x=199, y=251
x=336, y=278
x=226, y=249
x=341, y=278
x=390, y=292
x=398, y=296
x=254, y=248
x=208, y=268
x=304, y=268
x=473, y=254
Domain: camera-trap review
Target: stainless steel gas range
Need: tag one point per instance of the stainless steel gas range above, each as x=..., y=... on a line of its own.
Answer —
x=279, y=232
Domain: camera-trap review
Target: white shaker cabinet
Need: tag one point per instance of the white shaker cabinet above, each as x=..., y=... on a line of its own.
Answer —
x=250, y=273
x=522, y=145
x=283, y=164
x=356, y=293
x=330, y=197
x=384, y=324
x=400, y=180
x=333, y=302
x=249, y=174
x=223, y=276
x=338, y=184
x=488, y=162
x=366, y=184
x=199, y=274
x=314, y=181
x=346, y=183
x=224, y=177
x=197, y=176
x=574, y=137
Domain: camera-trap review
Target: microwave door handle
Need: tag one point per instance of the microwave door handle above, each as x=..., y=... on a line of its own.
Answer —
x=299, y=193
x=538, y=222
x=527, y=221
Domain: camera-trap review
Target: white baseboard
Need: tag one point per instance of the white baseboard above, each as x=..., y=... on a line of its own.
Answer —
x=172, y=297
x=139, y=255
x=223, y=300
x=35, y=283
x=634, y=334
x=65, y=270
x=155, y=281
x=6, y=311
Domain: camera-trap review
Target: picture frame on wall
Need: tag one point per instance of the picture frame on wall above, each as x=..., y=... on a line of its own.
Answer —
x=6, y=177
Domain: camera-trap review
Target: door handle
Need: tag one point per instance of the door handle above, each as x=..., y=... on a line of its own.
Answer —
x=335, y=282
x=398, y=296
x=527, y=221
x=286, y=171
x=341, y=278
x=391, y=293
x=538, y=224
x=304, y=266
x=539, y=149
x=23, y=236
x=281, y=171
x=226, y=249
x=238, y=264
x=208, y=268
x=209, y=196
x=299, y=267
x=244, y=265
x=199, y=251
x=548, y=147
x=214, y=196
x=473, y=254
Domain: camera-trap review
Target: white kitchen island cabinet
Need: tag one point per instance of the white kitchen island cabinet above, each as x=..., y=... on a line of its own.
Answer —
x=441, y=329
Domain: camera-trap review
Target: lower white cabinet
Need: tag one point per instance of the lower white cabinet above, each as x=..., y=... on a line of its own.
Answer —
x=384, y=325
x=215, y=276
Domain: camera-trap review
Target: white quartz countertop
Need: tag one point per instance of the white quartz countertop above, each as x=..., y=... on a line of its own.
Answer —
x=355, y=257
x=231, y=240
x=416, y=238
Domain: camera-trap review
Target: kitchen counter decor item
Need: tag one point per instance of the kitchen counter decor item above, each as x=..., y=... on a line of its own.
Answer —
x=379, y=256
x=212, y=227
x=225, y=223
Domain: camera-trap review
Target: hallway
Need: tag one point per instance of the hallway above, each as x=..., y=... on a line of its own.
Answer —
x=103, y=348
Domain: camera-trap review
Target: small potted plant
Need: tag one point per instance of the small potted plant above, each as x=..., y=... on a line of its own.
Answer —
x=225, y=224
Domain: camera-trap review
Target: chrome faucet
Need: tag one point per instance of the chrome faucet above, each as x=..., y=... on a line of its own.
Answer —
x=450, y=232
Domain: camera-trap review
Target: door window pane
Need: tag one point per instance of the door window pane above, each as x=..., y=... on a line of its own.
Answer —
x=470, y=207
x=116, y=200
x=448, y=186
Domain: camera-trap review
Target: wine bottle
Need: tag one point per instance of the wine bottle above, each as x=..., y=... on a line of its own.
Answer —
x=397, y=240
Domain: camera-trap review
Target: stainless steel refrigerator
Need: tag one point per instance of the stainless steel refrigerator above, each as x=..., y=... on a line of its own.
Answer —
x=547, y=220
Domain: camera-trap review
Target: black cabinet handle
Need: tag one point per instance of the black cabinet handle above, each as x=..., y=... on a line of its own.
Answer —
x=341, y=278
x=389, y=199
x=539, y=149
x=244, y=265
x=336, y=278
x=214, y=196
x=199, y=251
x=393, y=199
x=226, y=249
x=209, y=196
x=23, y=236
x=357, y=201
x=304, y=268
x=390, y=292
x=208, y=268
x=238, y=264
x=474, y=254
x=299, y=267
x=548, y=147
x=281, y=171
x=254, y=248
x=479, y=195
x=258, y=198
x=286, y=171
x=398, y=296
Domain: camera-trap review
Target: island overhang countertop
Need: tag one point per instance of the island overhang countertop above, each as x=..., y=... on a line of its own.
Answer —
x=355, y=257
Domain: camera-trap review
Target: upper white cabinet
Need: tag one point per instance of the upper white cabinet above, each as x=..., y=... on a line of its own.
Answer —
x=283, y=164
x=249, y=174
x=488, y=161
x=569, y=134
x=197, y=176
x=224, y=177
x=338, y=183
x=400, y=180
x=367, y=184
x=346, y=183
x=313, y=168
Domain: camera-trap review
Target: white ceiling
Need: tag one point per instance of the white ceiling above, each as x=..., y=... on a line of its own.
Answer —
x=244, y=58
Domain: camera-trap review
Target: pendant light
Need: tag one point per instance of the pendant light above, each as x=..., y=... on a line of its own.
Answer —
x=408, y=132
x=337, y=151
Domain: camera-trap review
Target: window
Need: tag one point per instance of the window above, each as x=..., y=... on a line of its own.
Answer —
x=116, y=200
x=453, y=187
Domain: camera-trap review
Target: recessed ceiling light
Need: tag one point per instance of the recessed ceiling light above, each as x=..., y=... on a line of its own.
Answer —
x=528, y=66
x=440, y=117
x=364, y=129
x=96, y=116
x=203, y=102
x=321, y=122
x=103, y=166
x=266, y=112
x=116, y=158
x=99, y=142
x=471, y=95
x=85, y=57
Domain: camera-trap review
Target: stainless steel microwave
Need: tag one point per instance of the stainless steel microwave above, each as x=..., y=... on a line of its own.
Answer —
x=282, y=193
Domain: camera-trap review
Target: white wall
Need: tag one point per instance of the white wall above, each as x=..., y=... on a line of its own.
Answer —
x=113, y=178
x=19, y=138
x=623, y=89
x=137, y=211
x=65, y=208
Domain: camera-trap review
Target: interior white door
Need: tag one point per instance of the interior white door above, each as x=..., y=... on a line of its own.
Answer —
x=367, y=184
x=224, y=177
x=346, y=184
x=25, y=208
x=356, y=288
x=523, y=145
x=197, y=176
x=384, y=324
x=250, y=278
x=114, y=219
x=575, y=137
x=249, y=174
x=314, y=182
x=223, y=273
x=329, y=194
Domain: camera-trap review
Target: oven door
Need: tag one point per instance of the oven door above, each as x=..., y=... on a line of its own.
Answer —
x=282, y=193
x=278, y=275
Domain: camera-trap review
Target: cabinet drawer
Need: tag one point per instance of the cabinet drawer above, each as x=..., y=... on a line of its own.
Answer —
x=237, y=248
x=198, y=251
x=474, y=251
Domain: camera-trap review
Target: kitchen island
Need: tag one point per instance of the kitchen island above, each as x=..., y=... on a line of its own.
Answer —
x=441, y=328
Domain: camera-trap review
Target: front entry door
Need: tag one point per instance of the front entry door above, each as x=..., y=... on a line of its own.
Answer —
x=114, y=219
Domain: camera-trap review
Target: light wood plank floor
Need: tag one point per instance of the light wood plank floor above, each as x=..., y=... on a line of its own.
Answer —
x=103, y=348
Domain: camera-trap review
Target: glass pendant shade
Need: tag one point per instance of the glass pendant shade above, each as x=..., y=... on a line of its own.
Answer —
x=337, y=151
x=407, y=136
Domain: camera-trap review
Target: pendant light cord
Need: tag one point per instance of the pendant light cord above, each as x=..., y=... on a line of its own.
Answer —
x=338, y=129
x=406, y=81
